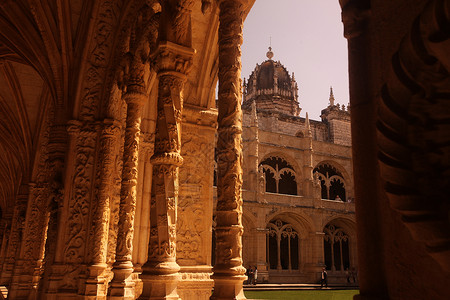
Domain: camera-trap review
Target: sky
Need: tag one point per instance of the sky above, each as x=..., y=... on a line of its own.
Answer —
x=307, y=38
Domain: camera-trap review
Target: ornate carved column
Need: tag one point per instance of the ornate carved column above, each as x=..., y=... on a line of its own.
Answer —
x=109, y=148
x=72, y=239
x=160, y=273
x=27, y=269
x=14, y=242
x=44, y=198
x=173, y=61
x=228, y=271
x=122, y=285
x=6, y=228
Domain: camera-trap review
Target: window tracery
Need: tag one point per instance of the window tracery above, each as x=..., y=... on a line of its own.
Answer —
x=336, y=248
x=332, y=182
x=280, y=176
x=282, y=246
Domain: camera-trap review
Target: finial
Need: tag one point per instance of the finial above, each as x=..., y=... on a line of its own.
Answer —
x=269, y=53
x=331, y=96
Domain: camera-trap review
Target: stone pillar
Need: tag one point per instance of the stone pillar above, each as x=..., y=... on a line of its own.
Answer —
x=308, y=182
x=253, y=145
x=44, y=195
x=72, y=239
x=122, y=285
x=261, y=256
x=160, y=273
x=229, y=273
x=195, y=208
x=14, y=242
x=95, y=283
x=5, y=227
x=356, y=16
x=27, y=269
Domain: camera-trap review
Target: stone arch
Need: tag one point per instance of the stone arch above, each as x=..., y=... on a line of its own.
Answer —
x=281, y=174
x=335, y=181
x=339, y=244
x=412, y=119
x=302, y=222
x=287, y=239
x=300, y=134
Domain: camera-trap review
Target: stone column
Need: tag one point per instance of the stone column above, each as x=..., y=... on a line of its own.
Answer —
x=122, y=285
x=27, y=269
x=14, y=242
x=372, y=275
x=160, y=273
x=65, y=270
x=253, y=153
x=261, y=257
x=95, y=283
x=229, y=273
x=44, y=195
x=316, y=260
x=5, y=227
x=308, y=160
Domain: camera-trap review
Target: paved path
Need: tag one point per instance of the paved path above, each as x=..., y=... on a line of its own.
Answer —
x=296, y=286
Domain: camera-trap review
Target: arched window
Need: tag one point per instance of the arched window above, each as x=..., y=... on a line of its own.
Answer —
x=336, y=249
x=280, y=176
x=282, y=246
x=332, y=182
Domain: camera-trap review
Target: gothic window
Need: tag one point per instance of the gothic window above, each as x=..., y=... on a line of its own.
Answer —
x=336, y=248
x=332, y=182
x=282, y=246
x=280, y=176
x=300, y=134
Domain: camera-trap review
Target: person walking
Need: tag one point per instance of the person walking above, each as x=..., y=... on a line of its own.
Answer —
x=324, y=278
x=255, y=275
x=250, y=275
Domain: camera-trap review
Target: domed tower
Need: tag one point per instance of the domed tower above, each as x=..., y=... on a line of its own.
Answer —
x=272, y=88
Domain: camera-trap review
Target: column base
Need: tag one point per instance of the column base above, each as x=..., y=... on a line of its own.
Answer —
x=228, y=287
x=160, y=287
x=123, y=284
x=195, y=283
x=25, y=280
x=95, y=284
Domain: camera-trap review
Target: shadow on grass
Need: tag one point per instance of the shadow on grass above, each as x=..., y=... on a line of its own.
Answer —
x=303, y=294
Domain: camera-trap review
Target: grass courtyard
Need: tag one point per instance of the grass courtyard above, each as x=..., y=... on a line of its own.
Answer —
x=303, y=294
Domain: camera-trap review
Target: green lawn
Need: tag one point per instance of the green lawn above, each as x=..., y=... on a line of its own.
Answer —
x=303, y=294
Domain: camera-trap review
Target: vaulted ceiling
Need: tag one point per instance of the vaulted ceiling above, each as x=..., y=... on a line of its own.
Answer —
x=37, y=67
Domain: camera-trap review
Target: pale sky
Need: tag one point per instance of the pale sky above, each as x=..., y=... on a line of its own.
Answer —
x=307, y=38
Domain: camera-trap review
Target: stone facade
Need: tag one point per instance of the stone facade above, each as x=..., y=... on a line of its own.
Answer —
x=291, y=165
x=108, y=127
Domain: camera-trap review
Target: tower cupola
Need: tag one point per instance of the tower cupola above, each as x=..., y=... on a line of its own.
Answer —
x=272, y=88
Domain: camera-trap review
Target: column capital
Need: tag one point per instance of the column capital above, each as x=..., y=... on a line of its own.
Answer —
x=355, y=14
x=173, y=59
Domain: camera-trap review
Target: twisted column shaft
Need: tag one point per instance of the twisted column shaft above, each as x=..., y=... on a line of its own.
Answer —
x=228, y=271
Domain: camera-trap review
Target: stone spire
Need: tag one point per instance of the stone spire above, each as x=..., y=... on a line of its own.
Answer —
x=308, y=131
x=331, y=96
